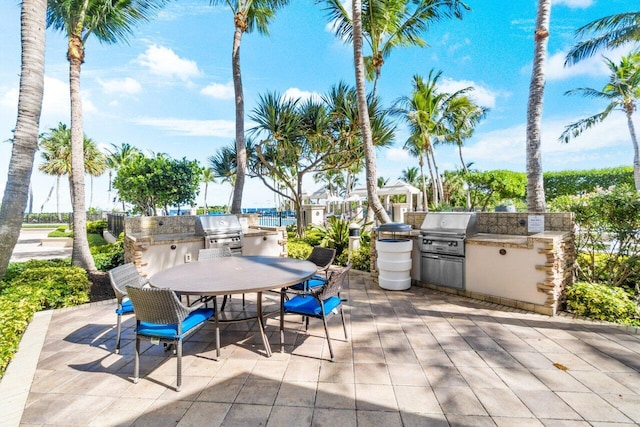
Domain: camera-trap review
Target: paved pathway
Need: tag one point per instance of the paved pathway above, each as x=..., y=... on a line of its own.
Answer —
x=414, y=358
x=30, y=246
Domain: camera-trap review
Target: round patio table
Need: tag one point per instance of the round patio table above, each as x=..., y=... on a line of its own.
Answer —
x=235, y=275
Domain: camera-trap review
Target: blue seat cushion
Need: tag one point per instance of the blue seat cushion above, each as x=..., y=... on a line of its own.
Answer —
x=127, y=307
x=309, y=306
x=315, y=281
x=195, y=318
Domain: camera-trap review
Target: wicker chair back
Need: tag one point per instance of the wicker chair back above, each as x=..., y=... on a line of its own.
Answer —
x=123, y=275
x=335, y=283
x=160, y=306
x=322, y=257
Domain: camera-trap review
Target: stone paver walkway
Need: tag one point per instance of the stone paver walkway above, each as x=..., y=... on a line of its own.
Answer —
x=414, y=358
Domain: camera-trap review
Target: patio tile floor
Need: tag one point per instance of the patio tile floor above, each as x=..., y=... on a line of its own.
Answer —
x=414, y=358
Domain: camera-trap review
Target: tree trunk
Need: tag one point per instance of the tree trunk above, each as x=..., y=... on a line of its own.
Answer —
x=425, y=199
x=439, y=186
x=58, y=198
x=241, y=149
x=636, y=151
x=434, y=188
x=535, y=184
x=363, y=113
x=80, y=256
x=25, y=137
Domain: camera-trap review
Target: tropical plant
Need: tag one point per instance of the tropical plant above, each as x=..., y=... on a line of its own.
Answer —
x=248, y=15
x=25, y=137
x=490, y=188
x=223, y=165
x=388, y=24
x=608, y=33
x=208, y=177
x=535, y=184
x=602, y=302
x=410, y=175
x=109, y=22
x=623, y=92
x=56, y=156
x=116, y=157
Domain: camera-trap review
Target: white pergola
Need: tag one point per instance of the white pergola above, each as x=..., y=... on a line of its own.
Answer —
x=397, y=188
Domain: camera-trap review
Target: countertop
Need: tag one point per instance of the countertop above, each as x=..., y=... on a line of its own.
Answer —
x=162, y=239
x=512, y=240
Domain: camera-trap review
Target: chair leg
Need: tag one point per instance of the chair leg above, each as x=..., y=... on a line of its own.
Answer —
x=224, y=303
x=344, y=325
x=215, y=317
x=282, y=294
x=179, y=381
x=119, y=328
x=326, y=331
x=136, y=361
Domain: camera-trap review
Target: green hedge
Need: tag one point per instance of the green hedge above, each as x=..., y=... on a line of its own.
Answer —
x=33, y=286
x=108, y=256
x=584, y=181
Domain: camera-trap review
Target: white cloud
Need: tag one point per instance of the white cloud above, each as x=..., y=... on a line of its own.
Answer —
x=593, y=67
x=483, y=96
x=164, y=62
x=397, y=154
x=219, y=91
x=303, y=95
x=216, y=128
x=127, y=86
x=574, y=4
x=505, y=148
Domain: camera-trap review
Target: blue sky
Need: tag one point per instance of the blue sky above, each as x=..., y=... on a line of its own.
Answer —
x=170, y=89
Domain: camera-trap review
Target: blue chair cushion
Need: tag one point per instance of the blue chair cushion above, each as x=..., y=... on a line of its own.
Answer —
x=315, y=281
x=307, y=305
x=195, y=318
x=127, y=307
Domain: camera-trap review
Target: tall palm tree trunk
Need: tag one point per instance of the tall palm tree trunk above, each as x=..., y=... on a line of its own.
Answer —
x=636, y=151
x=425, y=199
x=363, y=113
x=58, y=198
x=439, y=186
x=80, y=255
x=434, y=186
x=535, y=184
x=241, y=149
x=25, y=137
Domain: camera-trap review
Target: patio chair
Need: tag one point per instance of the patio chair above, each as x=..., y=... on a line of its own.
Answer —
x=213, y=253
x=320, y=303
x=161, y=317
x=322, y=258
x=126, y=274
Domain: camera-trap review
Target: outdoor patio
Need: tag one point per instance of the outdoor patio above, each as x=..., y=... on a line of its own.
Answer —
x=415, y=358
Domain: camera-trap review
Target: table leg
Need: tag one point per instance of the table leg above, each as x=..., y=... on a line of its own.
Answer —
x=265, y=340
x=215, y=315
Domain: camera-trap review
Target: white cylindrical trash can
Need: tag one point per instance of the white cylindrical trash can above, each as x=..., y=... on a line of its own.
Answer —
x=394, y=258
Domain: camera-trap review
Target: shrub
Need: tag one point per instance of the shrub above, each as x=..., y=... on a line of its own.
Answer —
x=313, y=236
x=298, y=249
x=108, y=256
x=61, y=231
x=602, y=302
x=95, y=240
x=97, y=227
x=361, y=258
x=32, y=286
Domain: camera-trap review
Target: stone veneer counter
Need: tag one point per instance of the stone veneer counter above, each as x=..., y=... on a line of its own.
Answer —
x=514, y=240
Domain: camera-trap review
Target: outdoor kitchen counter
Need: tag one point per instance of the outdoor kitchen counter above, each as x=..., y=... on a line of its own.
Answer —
x=513, y=240
x=166, y=238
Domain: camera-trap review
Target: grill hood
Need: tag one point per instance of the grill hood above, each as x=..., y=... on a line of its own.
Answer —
x=461, y=224
x=208, y=225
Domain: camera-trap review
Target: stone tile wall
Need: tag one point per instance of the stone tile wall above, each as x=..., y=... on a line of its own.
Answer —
x=155, y=225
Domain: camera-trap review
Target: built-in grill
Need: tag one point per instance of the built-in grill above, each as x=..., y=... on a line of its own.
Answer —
x=220, y=231
x=442, y=254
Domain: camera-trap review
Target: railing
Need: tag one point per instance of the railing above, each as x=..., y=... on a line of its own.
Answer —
x=276, y=219
x=115, y=223
x=54, y=218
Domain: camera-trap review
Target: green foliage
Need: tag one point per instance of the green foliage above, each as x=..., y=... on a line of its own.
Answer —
x=569, y=183
x=96, y=240
x=599, y=301
x=32, y=286
x=335, y=234
x=297, y=248
x=489, y=188
x=108, y=256
x=361, y=258
x=97, y=227
x=60, y=231
x=313, y=236
x=149, y=183
x=608, y=223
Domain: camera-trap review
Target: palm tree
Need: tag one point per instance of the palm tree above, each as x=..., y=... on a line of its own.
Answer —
x=110, y=22
x=56, y=156
x=535, y=185
x=248, y=15
x=623, y=92
x=363, y=113
x=608, y=33
x=208, y=177
x=410, y=175
x=223, y=165
x=25, y=137
x=462, y=116
x=54, y=159
x=387, y=24
x=116, y=158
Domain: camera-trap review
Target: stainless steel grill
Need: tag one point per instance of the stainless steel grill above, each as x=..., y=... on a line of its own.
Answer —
x=442, y=237
x=220, y=231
